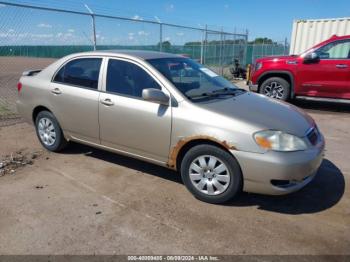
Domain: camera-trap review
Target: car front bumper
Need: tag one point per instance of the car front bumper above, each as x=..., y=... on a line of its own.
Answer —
x=252, y=87
x=279, y=173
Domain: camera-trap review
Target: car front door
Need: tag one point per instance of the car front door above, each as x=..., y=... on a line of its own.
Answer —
x=128, y=123
x=74, y=98
x=330, y=76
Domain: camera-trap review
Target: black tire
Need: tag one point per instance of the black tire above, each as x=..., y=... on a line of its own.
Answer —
x=271, y=83
x=60, y=142
x=234, y=185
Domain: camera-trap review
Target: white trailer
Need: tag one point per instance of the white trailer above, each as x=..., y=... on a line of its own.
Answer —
x=307, y=33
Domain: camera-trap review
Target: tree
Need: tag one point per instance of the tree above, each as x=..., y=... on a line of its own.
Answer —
x=261, y=40
x=166, y=46
x=191, y=44
x=215, y=42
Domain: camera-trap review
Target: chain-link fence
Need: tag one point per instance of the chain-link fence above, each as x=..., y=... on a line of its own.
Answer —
x=32, y=37
x=258, y=50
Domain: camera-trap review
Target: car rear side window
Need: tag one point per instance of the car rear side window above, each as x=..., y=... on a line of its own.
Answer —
x=128, y=79
x=81, y=72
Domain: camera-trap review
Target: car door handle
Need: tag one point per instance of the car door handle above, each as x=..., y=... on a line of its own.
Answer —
x=56, y=91
x=341, y=66
x=107, y=102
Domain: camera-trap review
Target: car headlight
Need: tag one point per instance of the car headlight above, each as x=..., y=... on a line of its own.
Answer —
x=279, y=141
x=258, y=66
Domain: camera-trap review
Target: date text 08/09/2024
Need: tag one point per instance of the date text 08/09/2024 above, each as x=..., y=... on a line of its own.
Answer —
x=173, y=258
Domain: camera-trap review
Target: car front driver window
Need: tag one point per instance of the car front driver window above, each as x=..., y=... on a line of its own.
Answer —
x=126, y=78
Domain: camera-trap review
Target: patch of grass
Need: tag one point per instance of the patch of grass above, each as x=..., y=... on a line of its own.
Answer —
x=4, y=111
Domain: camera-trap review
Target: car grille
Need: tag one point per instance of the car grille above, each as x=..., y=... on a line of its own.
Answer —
x=313, y=136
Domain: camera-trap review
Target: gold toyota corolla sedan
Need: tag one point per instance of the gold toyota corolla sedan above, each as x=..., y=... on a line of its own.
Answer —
x=171, y=111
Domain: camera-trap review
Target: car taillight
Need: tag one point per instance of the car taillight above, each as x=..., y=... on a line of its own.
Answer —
x=19, y=86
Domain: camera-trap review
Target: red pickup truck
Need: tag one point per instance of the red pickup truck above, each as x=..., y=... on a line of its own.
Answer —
x=320, y=73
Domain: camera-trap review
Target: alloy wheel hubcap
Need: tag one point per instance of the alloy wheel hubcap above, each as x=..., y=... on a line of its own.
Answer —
x=46, y=131
x=209, y=175
x=274, y=90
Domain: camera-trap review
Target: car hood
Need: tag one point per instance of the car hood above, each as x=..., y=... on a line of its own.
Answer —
x=263, y=112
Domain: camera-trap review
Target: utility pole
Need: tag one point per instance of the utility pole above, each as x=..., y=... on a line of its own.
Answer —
x=160, y=37
x=285, y=46
x=202, y=48
x=205, y=44
x=93, y=25
x=221, y=50
x=246, y=47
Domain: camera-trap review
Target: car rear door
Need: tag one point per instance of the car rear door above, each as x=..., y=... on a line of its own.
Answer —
x=330, y=76
x=127, y=122
x=74, y=97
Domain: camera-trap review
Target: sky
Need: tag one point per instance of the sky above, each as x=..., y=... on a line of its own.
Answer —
x=268, y=18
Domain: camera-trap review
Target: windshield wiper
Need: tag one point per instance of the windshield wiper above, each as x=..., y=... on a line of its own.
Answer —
x=228, y=90
x=212, y=94
x=220, y=92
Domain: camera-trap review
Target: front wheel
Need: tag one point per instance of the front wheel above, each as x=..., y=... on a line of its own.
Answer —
x=276, y=87
x=211, y=174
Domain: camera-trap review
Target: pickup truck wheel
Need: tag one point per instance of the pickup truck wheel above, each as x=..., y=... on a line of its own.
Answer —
x=276, y=87
x=49, y=132
x=211, y=174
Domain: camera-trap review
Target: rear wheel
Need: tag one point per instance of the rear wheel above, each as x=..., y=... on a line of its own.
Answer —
x=276, y=87
x=49, y=132
x=211, y=174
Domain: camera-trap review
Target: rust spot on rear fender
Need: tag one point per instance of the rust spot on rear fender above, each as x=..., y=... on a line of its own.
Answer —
x=177, y=148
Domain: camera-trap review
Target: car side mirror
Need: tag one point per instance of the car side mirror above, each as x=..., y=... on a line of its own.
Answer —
x=156, y=96
x=311, y=58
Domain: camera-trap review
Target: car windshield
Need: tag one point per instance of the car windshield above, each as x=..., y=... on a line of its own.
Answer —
x=193, y=79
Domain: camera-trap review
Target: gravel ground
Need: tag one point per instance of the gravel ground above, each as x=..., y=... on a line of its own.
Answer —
x=87, y=201
x=11, y=69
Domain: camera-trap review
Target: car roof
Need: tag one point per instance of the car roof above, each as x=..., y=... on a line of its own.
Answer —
x=141, y=54
x=336, y=37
